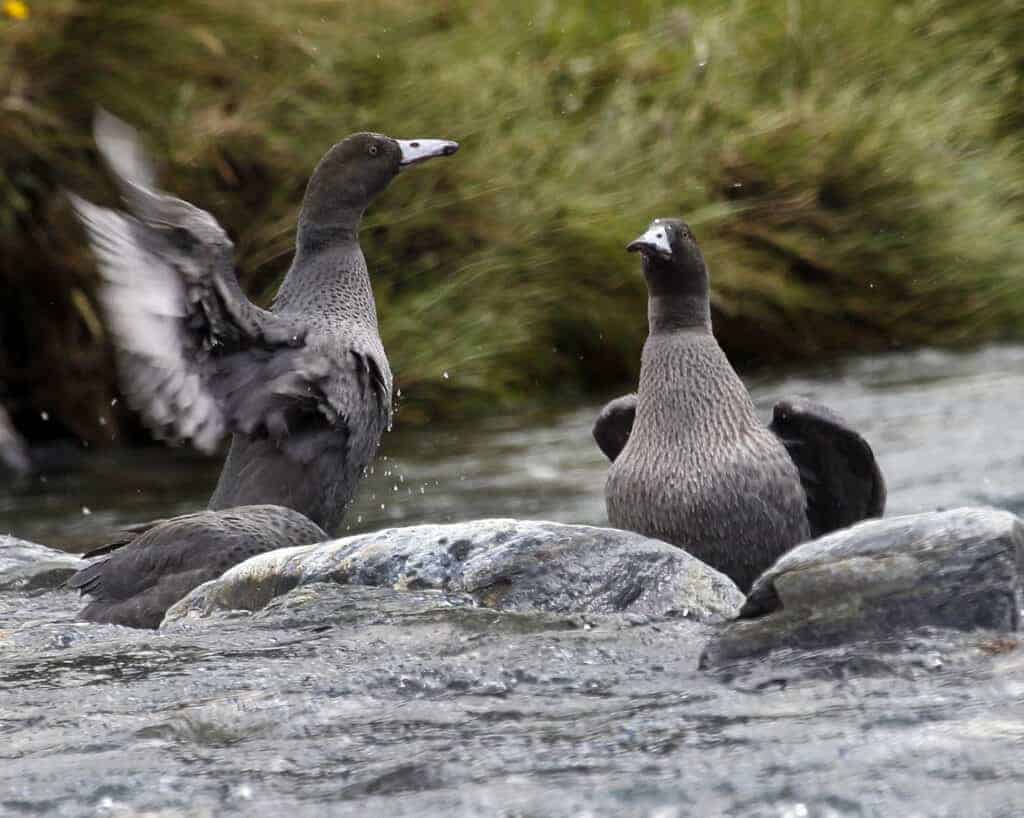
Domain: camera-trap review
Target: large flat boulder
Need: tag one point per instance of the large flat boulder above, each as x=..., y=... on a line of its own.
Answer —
x=959, y=569
x=27, y=566
x=512, y=565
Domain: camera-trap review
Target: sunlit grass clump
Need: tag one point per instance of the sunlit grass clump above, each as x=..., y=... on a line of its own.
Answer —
x=852, y=170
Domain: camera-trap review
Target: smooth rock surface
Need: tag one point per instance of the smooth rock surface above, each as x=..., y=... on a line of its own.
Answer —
x=959, y=569
x=508, y=565
x=27, y=566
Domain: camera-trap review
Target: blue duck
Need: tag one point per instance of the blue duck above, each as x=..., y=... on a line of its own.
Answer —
x=692, y=464
x=304, y=388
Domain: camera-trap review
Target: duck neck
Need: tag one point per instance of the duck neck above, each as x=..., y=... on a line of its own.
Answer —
x=677, y=298
x=316, y=234
x=328, y=276
x=669, y=313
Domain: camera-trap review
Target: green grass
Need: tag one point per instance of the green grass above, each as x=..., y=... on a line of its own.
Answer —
x=854, y=172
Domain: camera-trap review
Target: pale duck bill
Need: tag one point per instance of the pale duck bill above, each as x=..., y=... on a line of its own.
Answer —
x=419, y=150
x=653, y=240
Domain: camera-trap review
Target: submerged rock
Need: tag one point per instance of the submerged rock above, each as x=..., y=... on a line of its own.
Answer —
x=959, y=569
x=509, y=565
x=26, y=566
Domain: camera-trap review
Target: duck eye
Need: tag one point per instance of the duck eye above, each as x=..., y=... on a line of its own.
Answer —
x=373, y=150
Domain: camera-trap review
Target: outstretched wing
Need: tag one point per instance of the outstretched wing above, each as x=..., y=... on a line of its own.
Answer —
x=613, y=425
x=196, y=357
x=840, y=475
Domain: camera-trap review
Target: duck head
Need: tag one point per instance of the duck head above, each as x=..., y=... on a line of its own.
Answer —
x=677, y=276
x=353, y=172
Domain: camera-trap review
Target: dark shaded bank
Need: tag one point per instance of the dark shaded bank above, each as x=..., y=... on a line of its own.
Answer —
x=854, y=174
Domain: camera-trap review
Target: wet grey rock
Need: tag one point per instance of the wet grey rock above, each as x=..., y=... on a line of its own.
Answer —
x=508, y=565
x=26, y=566
x=960, y=569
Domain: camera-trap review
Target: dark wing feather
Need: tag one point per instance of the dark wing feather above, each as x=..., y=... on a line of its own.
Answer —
x=121, y=538
x=613, y=425
x=89, y=579
x=121, y=571
x=196, y=357
x=157, y=548
x=840, y=475
x=135, y=585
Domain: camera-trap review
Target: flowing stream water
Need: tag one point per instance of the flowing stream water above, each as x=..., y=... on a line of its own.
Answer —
x=386, y=703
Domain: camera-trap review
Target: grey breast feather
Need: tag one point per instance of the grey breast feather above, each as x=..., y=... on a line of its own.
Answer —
x=838, y=469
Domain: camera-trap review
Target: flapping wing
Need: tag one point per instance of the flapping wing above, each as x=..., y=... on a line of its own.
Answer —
x=304, y=400
x=613, y=425
x=840, y=475
x=196, y=357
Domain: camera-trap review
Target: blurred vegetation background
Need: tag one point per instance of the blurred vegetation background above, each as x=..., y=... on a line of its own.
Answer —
x=854, y=172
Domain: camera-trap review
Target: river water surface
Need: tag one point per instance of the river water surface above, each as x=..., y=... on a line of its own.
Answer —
x=371, y=702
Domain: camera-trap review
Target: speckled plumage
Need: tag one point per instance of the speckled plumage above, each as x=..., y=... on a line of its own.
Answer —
x=693, y=465
x=699, y=469
x=135, y=586
x=319, y=467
